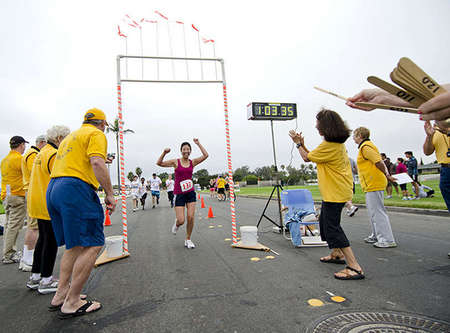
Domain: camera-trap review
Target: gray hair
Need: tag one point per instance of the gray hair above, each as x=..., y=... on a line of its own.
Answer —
x=57, y=131
x=41, y=138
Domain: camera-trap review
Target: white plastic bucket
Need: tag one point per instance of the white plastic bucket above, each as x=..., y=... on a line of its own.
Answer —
x=114, y=246
x=249, y=235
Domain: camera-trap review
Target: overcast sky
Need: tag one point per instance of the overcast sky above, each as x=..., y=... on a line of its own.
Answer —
x=58, y=59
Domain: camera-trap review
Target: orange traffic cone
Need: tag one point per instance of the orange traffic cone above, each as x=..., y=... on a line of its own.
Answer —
x=210, y=213
x=199, y=196
x=203, y=203
x=107, y=218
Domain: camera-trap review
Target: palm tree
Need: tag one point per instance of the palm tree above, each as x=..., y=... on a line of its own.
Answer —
x=138, y=172
x=115, y=129
x=130, y=176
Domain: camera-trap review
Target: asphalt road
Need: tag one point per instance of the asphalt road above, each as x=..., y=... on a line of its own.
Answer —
x=164, y=287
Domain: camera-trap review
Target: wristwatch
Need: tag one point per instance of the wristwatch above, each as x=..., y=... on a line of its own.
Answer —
x=299, y=145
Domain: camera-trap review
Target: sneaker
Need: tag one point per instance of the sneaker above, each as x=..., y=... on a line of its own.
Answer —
x=9, y=261
x=352, y=211
x=48, y=288
x=370, y=240
x=33, y=284
x=175, y=228
x=405, y=198
x=188, y=243
x=24, y=267
x=388, y=197
x=17, y=256
x=153, y=206
x=384, y=245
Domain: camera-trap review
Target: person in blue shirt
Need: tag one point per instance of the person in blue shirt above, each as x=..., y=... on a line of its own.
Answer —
x=411, y=164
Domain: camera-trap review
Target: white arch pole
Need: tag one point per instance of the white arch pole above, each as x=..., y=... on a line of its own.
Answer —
x=121, y=145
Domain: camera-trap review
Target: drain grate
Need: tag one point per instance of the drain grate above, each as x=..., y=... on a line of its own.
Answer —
x=377, y=322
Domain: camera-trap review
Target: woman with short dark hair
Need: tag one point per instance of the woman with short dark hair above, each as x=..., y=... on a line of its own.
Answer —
x=335, y=184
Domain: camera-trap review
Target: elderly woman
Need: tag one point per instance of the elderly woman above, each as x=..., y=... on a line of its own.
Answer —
x=46, y=249
x=335, y=184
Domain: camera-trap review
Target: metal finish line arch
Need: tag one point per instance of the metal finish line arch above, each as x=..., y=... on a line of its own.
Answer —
x=121, y=145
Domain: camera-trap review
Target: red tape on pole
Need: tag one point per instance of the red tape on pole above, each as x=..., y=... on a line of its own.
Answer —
x=230, y=167
x=122, y=173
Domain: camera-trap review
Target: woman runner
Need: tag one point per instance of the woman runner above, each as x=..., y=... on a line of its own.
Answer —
x=184, y=186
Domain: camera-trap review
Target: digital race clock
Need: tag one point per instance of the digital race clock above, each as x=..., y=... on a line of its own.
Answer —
x=271, y=111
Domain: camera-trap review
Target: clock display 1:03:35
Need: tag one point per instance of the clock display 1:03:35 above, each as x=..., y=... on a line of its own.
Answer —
x=276, y=110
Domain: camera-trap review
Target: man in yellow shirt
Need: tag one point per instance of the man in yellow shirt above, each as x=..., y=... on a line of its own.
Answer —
x=438, y=142
x=32, y=232
x=373, y=177
x=221, y=188
x=75, y=210
x=13, y=197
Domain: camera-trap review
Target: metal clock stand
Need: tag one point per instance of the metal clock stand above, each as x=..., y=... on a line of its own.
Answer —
x=276, y=187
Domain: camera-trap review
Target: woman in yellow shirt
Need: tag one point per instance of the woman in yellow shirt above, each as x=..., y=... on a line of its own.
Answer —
x=46, y=248
x=335, y=184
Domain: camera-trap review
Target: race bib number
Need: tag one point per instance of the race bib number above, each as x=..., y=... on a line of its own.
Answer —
x=186, y=185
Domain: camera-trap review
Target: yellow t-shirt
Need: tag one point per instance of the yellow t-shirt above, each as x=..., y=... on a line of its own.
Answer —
x=27, y=165
x=39, y=179
x=441, y=143
x=370, y=177
x=11, y=169
x=221, y=183
x=333, y=171
x=72, y=159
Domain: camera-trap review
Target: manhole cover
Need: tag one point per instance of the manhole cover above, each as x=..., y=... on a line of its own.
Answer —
x=377, y=322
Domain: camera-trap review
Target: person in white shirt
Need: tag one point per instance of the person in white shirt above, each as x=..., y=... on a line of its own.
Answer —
x=134, y=186
x=155, y=182
x=142, y=192
x=352, y=209
x=423, y=193
x=170, y=183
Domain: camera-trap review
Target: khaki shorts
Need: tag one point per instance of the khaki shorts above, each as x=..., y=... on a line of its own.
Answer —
x=32, y=223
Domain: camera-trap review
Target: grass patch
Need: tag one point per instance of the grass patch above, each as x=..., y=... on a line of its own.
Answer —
x=437, y=202
x=2, y=210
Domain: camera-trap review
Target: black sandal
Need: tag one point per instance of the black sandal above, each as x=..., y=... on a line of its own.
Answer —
x=53, y=308
x=358, y=276
x=333, y=261
x=80, y=312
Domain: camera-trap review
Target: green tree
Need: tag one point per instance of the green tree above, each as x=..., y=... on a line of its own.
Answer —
x=240, y=173
x=114, y=128
x=264, y=173
x=201, y=173
x=130, y=176
x=251, y=180
x=138, y=172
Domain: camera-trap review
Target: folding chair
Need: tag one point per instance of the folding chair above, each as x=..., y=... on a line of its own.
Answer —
x=293, y=200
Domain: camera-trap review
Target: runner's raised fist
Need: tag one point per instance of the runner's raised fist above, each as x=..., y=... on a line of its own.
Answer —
x=167, y=150
x=196, y=141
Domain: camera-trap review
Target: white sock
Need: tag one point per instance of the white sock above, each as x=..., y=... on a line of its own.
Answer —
x=46, y=279
x=27, y=255
x=36, y=276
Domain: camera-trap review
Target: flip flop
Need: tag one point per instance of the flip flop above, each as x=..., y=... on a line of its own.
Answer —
x=53, y=308
x=333, y=261
x=358, y=276
x=80, y=312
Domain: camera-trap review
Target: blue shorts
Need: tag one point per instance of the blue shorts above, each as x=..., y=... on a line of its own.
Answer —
x=185, y=198
x=155, y=194
x=76, y=213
